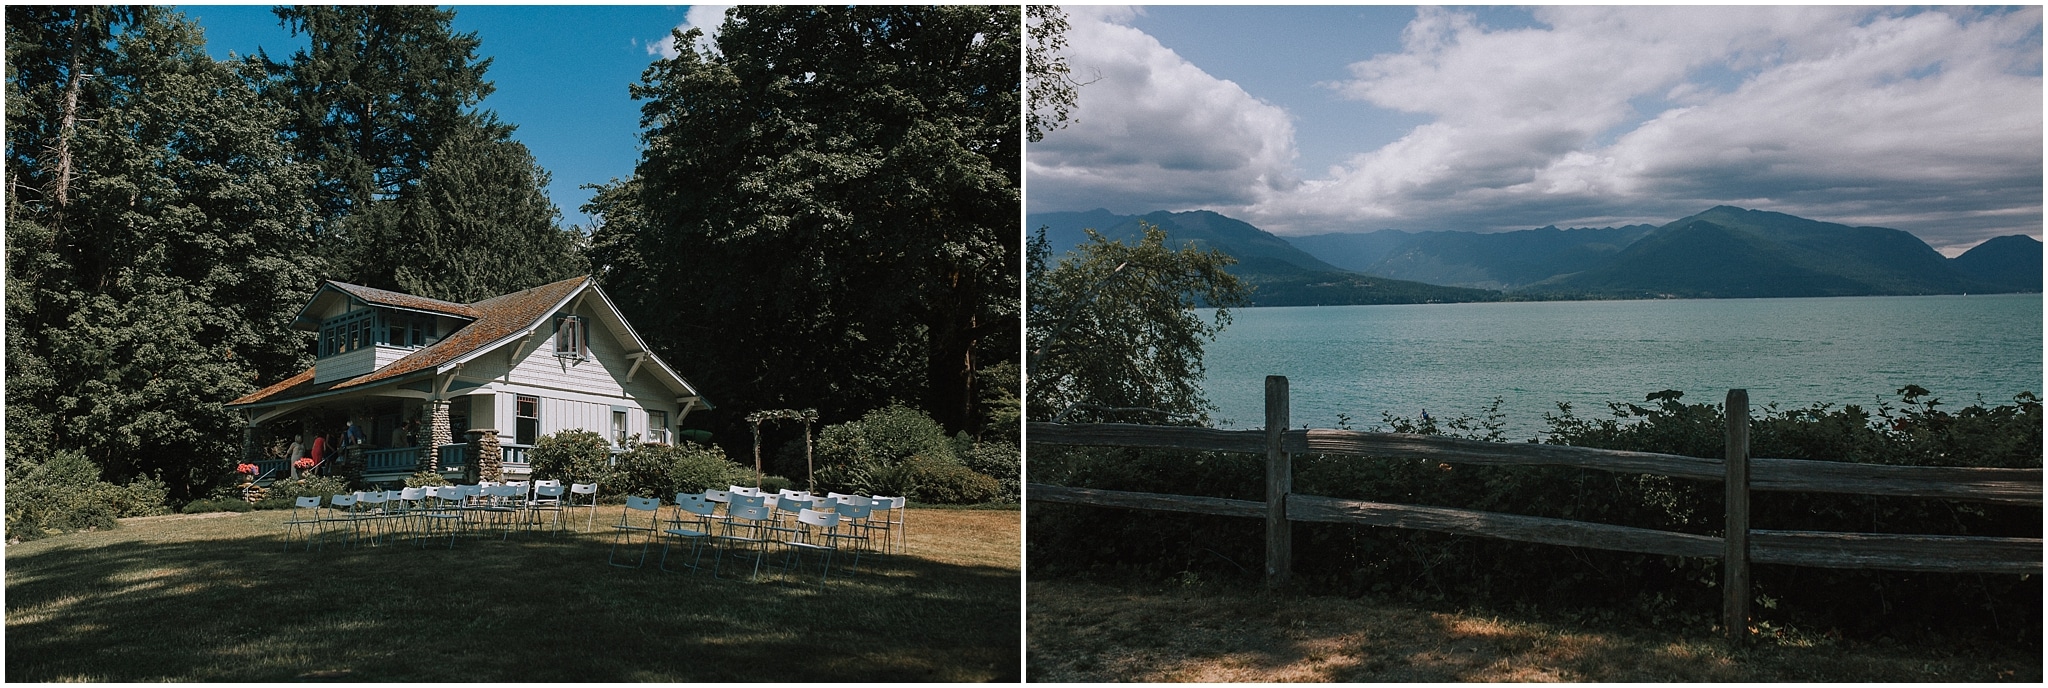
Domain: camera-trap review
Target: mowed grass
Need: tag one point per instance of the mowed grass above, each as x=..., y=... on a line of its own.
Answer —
x=1090, y=632
x=214, y=597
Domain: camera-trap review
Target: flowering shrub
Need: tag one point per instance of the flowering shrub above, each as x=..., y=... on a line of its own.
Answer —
x=246, y=468
x=303, y=463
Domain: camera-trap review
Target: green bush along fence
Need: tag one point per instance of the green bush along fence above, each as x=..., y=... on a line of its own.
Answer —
x=1741, y=474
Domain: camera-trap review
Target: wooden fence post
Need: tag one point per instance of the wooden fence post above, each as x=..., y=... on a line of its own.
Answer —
x=1735, y=560
x=1279, y=482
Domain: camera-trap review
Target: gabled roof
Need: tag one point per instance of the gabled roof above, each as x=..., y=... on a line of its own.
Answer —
x=371, y=296
x=497, y=321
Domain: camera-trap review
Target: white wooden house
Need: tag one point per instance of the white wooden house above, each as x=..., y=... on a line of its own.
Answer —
x=510, y=368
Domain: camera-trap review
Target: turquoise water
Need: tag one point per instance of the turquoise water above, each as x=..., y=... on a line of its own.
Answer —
x=1452, y=359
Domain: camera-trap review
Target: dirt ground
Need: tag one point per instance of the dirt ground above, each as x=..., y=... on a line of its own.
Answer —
x=1079, y=631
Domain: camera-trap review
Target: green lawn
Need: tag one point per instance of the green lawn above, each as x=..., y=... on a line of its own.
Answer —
x=214, y=597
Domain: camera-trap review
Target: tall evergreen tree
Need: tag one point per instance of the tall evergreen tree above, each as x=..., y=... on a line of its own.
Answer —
x=481, y=206
x=826, y=207
x=420, y=189
x=375, y=93
x=156, y=287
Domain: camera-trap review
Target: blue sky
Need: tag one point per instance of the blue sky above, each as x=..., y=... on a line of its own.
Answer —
x=1323, y=119
x=561, y=75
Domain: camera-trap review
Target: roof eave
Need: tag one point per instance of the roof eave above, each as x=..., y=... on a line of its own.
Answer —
x=515, y=335
x=330, y=392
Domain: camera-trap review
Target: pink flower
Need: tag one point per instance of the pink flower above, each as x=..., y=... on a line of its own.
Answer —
x=304, y=463
x=248, y=468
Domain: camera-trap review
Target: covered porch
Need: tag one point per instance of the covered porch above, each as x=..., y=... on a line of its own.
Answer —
x=400, y=430
x=394, y=464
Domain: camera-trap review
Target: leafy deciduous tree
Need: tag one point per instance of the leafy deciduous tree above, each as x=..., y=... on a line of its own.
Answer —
x=1114, y=325
x=824, y=214
x=154, y=290
x=1049, y=78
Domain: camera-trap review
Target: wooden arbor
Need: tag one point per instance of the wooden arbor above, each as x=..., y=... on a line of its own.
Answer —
x=808, y=416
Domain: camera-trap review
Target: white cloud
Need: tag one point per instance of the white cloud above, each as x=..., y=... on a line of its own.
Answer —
x=1152, y=131
x=1928, y=121
x=706, y=17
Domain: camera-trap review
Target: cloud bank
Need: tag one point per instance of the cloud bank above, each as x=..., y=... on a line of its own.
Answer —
x=1153, y=131
x=1927, y=121
x=706, y=17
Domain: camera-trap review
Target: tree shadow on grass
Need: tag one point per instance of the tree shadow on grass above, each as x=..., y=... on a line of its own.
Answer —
x=1089, y=632
x=145, y=603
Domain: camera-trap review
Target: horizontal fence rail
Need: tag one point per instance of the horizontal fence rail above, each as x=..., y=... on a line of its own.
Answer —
x=2020, y=486
x=1797, y=548
x=1742, y=473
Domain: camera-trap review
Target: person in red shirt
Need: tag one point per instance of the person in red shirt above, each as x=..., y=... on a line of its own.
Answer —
x=319, y=451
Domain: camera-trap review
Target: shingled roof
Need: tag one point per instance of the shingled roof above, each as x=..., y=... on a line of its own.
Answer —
x=380, y=297
x=496, y=318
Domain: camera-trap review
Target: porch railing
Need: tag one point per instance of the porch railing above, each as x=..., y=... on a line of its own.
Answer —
x=397, y=459
x=454, y=456
x=407, y=459
x=457, y=455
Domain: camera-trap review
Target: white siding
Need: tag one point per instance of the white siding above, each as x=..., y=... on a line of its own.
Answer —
x=344, y=366
x=574, y=394
x=386, y=355
x=484, y=414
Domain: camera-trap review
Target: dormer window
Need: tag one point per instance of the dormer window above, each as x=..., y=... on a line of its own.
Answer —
x=407, y=329
x=378, y=326
x=347, y=333
x=572, y=337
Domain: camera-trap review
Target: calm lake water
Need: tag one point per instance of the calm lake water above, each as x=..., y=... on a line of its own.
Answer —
x=1453, y=359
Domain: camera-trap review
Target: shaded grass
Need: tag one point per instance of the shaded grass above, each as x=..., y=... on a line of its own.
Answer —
x=1083, y=631
x=213, y=597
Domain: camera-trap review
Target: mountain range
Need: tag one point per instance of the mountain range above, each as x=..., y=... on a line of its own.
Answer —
x=1282, y=274
x=1724, y=252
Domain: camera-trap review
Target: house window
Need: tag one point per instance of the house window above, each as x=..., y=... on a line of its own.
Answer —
x=345, y=333
x=528, y=425
x=572, y=337
x=657, y=426
x=619, y=428
x=400, y=329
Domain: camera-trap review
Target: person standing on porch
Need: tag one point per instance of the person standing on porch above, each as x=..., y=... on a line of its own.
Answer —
x=320, y=445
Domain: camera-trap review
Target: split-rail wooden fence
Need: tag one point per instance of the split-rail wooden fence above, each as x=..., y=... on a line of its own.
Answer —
x=1741, y=474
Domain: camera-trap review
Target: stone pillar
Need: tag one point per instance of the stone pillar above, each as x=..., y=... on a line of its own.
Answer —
x=438, y=433
x=353, y=465
x=486, y=457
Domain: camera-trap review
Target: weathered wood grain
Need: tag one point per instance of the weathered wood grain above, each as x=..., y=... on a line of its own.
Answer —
x=1735, y=559
x=1797, y=548
x=1895, y=552
x=1454, y=450
x=1998, y=485
x=1279, y=482
x=1146, y=436
x=1552, y=531
x=1218, y=506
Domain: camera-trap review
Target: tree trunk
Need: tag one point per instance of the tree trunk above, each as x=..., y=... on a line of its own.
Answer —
x=61, y=192
x=949, y=368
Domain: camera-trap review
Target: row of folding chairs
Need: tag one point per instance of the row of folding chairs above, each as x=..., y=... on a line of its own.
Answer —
x=375, y=516
x=887, y=517
x=749, y=525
